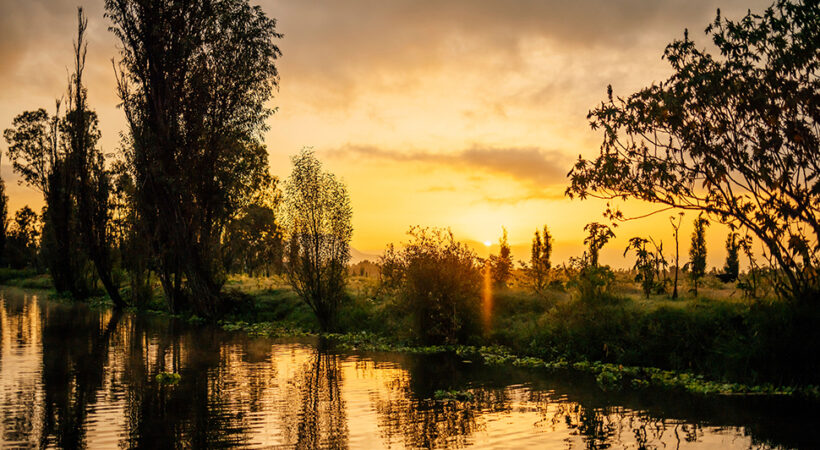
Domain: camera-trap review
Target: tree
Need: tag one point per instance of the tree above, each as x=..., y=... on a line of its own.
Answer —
x=592, y=280
x=502, y=264
x=644, y=263
x=697, y=252
x=253, y=242
x=734, y=135
x=438, y=282
x=676, y=228
x=194, y=80
x=540, y=264
x=23, y=239
x=90, y=184
x=660, y=265
x=58, y=155
x=36, y=150
x=599, y=235
x=4, y=220
x=731, y=269
x=318, y=232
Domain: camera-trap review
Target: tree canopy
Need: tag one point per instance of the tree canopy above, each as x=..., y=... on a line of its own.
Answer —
x=194, y=81
x=734, y=134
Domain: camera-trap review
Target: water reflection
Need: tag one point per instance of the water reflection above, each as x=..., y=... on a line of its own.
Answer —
x=73, y=377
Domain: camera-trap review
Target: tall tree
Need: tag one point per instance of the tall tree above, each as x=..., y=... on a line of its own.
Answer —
x=644, y=263
x=540, y=263
x=731, y=269
x=194, y=81
x=734, y=135
x=697, y=252
x=4, y=225
x=501, y=264
x=318, y=232
x=676, y=233
x=86, y=166
x=37, y=152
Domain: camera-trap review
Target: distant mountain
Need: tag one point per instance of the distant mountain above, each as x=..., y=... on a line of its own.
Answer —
x=356, y=256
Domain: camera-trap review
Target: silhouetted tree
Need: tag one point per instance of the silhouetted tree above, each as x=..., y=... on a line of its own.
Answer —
x=697, y=252
x=501, y=264
x=660, y=266
x=127, y=235
x=85, y=163
x=37, y=152
x=540, y=264
x=22, y=241
x=318, y=233
x=644, y=264
x=676, y=228
x=194, y=81
x=734, y=135
x=599, y=235
x=592, y=280
x=58, y=156
x=731, y=269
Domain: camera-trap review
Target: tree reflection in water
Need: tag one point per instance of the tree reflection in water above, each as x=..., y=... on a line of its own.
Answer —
x=75, y=377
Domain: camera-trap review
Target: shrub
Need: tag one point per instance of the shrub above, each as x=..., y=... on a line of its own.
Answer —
x=438, y=282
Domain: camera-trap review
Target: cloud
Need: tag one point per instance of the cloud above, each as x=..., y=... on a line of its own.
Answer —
x=531, y=165
x=342, y=49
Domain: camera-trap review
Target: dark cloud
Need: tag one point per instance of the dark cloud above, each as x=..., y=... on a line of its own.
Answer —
x=344, y=42
x=340, y=48
x=531, y=165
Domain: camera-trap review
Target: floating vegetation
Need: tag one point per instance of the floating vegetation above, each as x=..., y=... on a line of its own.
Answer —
x=448, y=395
x=265, y=329
x=168, y=378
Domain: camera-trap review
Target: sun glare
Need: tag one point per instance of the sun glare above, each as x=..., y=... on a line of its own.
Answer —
x=488, y=243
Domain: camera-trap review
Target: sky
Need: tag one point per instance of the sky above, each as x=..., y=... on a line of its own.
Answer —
x=465, y=114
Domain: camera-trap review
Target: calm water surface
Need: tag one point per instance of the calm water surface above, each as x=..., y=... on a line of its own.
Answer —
x=73, y=377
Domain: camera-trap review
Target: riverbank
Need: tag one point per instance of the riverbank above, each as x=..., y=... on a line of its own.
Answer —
x=725, y=346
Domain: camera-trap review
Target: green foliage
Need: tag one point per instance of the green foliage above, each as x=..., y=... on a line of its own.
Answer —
x=734, y=134
x=318, y=229
x=253, y=242
x=462, y=396
x=168, y=378
x=438, y=283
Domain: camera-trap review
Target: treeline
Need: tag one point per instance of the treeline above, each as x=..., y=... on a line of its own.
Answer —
x=188, y=198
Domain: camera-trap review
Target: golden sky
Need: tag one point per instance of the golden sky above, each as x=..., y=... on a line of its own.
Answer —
x=465, y=114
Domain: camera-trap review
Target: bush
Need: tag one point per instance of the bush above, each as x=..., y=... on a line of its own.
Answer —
x=438, y=283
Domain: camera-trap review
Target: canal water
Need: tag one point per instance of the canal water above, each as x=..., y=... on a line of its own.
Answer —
x=74, y=377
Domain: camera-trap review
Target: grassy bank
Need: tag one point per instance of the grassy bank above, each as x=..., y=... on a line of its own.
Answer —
x=716, y=344
x=722, y=344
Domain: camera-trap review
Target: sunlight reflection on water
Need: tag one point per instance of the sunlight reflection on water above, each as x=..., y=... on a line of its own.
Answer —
x=73, y=377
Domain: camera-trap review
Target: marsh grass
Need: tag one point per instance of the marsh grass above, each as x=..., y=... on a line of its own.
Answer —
x=726, y=340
